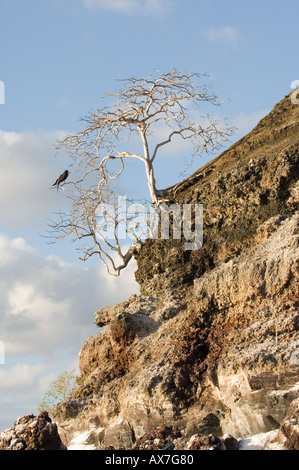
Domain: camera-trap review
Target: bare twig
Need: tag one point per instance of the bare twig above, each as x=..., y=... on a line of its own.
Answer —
x=99, y=153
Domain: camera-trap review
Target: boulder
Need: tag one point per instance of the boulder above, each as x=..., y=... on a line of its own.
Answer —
x=32, y=433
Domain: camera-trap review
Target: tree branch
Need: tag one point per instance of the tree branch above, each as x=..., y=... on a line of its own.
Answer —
x=98, y=154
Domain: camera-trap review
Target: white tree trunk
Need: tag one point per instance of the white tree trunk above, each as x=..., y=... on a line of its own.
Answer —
x=148, y=166
x=151, y=182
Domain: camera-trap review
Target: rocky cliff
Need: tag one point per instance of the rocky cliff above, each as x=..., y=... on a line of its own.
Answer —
x=211, y=344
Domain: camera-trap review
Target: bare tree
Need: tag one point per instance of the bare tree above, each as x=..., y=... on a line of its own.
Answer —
x=100, y=150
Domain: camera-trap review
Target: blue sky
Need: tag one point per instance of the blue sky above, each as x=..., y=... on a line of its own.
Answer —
x=57, y=59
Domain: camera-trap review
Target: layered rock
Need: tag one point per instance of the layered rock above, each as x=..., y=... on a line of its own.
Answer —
x=211, y=344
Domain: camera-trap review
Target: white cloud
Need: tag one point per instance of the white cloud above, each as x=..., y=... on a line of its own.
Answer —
x=46, y=303
x=22, y=387
x=145, y=7
x=27, y=172
x=20, y=378
x=46, y=314
x=227, y=34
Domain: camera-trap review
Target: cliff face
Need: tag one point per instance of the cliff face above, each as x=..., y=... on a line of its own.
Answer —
x=211, y=344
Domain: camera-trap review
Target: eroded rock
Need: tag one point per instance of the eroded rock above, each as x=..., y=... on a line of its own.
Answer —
x=211, y=343
x=290, y=427
x=32, y=433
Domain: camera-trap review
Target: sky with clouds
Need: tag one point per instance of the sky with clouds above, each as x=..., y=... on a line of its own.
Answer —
x=57, y=59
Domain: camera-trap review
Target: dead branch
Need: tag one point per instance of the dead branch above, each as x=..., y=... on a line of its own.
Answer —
x=100, y=150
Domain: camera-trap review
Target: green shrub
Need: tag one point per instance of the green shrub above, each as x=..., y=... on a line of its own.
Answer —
x=58, y=391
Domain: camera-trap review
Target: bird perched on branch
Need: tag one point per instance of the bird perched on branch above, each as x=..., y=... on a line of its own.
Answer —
x=61, y=178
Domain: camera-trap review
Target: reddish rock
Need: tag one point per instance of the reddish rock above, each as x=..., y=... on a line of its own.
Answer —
x=161, y=438
x=211, y=343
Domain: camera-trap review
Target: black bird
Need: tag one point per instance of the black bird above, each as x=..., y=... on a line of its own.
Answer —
x=61, y=178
